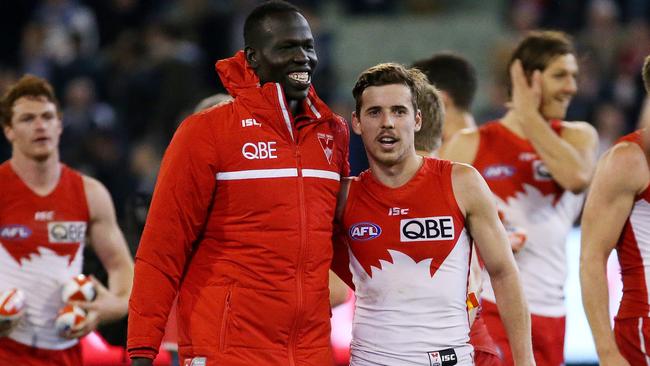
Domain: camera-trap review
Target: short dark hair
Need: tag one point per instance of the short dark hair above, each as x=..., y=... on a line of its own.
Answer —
x=28, y=86
x=538, y=49
x=384, y=74
x=646, y=74
x=453, y=74
x=432, y=110
x=257, y=16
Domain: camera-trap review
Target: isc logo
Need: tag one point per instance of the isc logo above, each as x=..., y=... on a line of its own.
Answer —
x=248, y=122
x=364, y=231
x=259, y=150
x=427, y=228
x=446, y=357
x=15, y=232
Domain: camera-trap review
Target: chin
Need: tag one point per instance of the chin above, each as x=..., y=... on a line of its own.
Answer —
x=296, y=94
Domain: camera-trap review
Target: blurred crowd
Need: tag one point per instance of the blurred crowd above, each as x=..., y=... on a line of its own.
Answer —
x=128, y=71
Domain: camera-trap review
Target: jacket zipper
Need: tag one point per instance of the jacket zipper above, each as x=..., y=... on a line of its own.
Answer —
x=299, y=269
x=224, y=320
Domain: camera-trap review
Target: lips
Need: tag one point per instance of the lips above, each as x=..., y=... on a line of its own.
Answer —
x=387, y=141
x=301, y=78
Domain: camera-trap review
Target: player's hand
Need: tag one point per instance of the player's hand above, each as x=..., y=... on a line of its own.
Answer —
x=526, y=96
x=139, y=361
x=106, y=307
x=6, y=326
x=613, y=359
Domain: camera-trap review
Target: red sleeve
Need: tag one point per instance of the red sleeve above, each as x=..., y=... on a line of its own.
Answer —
x=179, y=209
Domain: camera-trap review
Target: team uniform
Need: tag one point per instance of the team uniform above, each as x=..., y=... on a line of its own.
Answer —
x=531, y=202
x=409, y=256
x=241, y=223
x=41, y=248
x=632, y=323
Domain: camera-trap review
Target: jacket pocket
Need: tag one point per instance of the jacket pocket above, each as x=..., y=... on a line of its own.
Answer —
x=224, y=320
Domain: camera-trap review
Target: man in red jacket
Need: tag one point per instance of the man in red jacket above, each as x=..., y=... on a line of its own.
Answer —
x=240, y=223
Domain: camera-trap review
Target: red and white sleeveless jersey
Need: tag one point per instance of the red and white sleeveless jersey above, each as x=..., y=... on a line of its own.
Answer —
x=41, y=248
x=530, y=201
x=633, y=250
x=409, y=258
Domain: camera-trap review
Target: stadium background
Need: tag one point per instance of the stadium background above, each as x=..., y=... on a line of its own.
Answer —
x=128, y=71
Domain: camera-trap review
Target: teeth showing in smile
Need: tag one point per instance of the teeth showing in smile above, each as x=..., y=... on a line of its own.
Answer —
x=301, y=77
x=386, y=140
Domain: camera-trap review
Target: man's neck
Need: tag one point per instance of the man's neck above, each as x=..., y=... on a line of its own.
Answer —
x=41, y=176
x=510, y=122
x=456, y=120
x=295, y=106
x=396, y=175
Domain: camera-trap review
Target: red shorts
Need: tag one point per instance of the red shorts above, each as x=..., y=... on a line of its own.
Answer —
x=486, y=352
x=14, y=353
x=633, y=339
x=547, y=336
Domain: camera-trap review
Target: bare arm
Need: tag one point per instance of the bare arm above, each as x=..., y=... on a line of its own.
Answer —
x=475, y=199
x=571, y=157
x=617, y=181
x=110, y=246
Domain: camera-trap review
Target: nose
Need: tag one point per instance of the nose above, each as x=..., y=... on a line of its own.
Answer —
x=571, y=86
x=387, y=121
x=301, y=56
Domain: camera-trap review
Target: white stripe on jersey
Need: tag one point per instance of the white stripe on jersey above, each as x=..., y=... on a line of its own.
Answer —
x=277, y=173
x=640, y=221
x=642, y=342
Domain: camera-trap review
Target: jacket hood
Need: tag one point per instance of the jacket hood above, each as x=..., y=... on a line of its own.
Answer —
x=240, y=80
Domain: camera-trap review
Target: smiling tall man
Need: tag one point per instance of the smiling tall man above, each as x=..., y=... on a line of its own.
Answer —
x=240, y=224
x=537, y=166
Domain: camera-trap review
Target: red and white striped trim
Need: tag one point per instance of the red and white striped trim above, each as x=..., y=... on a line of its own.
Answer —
x=277, y=173
x=283, y=107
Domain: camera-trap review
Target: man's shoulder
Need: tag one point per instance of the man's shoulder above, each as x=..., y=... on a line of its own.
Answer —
x=578, y=128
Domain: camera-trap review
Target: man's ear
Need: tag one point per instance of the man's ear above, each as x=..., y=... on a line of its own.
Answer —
x=356, y=124
x=418, y=121
x=251, y=57
x=9, y=133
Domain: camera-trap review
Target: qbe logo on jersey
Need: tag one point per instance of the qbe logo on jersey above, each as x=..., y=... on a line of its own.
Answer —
x=66, y=231
x=445, y=357
x=427, y=229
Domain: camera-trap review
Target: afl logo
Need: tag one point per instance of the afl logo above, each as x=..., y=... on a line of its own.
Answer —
x=498, y=171
x=364, y=231
x=15, y=232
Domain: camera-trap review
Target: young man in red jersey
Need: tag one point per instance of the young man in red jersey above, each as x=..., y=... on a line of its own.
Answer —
x=240, y=224
x=537, y=166
x=617, y=215
x=406, y=224
x=455, y=78
x=56, y=210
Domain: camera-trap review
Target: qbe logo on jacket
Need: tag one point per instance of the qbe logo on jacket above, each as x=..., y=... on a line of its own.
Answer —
x=427, y=229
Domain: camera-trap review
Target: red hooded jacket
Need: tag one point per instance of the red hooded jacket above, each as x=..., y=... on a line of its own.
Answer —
x=240, y=226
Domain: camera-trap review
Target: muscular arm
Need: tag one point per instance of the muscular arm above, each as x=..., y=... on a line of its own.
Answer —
x=181, y=200
x=476, y=201
x=617, y=181
x=109, y=244
x=571, y=157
